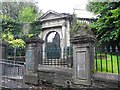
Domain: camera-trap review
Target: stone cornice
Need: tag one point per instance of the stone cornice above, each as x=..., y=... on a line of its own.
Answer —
x=82, y=39
x=34, y=40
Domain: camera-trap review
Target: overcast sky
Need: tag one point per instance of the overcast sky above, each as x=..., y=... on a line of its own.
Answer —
x=65, y=6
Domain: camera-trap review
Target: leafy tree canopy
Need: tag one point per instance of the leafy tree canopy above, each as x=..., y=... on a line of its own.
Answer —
x=14, y=14
x=107, y=27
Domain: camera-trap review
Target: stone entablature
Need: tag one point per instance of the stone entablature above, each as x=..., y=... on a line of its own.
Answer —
x=52, y=23
x=53, y=19
x=56, y=22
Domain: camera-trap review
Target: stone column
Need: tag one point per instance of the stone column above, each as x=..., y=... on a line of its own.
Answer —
x=83, y=56
x=3, y=52
x=63, y=43
x=33, y=59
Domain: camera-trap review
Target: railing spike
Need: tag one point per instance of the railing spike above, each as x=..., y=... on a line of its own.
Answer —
x=110, y=48
x=105, y=49
x=116, y=49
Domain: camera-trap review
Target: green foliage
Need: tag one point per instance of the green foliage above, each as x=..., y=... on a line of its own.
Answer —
x=108, y=23
x=77, y=25
x=13, y=15
x=35, y=29
x=74, y=25
x=10, y=30
x=10, y=25
x=27, y=15
x=17, y=43
x=13, y=42
x=82, y=27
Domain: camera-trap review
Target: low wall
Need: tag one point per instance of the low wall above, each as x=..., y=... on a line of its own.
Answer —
x=106, y=80
x=63, y=77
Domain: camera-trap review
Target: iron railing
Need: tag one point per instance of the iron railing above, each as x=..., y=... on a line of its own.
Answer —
x=16, y=53
x=107, y=59
x=58, y=57
x=12, y=69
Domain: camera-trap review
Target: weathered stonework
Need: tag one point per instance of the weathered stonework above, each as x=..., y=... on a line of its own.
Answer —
x=81, y=75
x=33, y=59
x=83, y=47
x=56, y=22
x=59, y=76
x=3, y=46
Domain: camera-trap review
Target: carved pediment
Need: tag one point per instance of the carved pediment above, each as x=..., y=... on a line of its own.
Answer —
x=50, y=15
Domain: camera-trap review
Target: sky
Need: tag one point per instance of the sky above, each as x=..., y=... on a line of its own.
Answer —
x=65, y=6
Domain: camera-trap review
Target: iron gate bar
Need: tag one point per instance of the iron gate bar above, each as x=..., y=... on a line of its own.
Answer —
x=117, y=54
x=101, y=59
x=96, y=59
x=106, y=59
x=109, y=59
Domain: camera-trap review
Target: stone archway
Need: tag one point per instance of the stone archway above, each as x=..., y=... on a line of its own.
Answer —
x=52, y=45
x=53, y=22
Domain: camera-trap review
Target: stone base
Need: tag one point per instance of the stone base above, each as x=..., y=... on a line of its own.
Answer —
x=58, y=76
x=64, y=77
x=31, y=79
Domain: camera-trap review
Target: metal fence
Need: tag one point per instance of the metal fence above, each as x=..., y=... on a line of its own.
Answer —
x=107, y=59
x=13, y=66
x=16, y=53
x=12, y=69
x=58, y=57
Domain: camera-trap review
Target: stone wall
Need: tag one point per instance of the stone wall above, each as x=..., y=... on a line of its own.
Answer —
x=106, y=80
x=63, y=77
x=60, y=76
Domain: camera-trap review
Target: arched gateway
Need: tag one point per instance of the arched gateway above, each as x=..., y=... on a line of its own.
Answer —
x=56, y=34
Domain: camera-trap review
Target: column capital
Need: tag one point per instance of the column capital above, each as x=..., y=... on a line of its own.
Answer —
x=82, y=39
x=34, y=40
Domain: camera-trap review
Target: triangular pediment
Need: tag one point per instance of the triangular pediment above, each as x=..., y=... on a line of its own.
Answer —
x=50, y=15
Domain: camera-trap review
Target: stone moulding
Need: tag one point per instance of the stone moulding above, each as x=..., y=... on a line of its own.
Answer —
x=106, y=76
x=34, y=40
x=82, y=39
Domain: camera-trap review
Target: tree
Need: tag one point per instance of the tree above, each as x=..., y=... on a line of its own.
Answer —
x=107, y=27
x=13, y=16
x=15, y=9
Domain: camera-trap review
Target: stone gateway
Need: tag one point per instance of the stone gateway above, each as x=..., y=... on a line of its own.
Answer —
x=58, y=25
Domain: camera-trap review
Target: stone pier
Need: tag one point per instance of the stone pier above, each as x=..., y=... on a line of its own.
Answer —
x=3, y=46
x=83, y=47
x=33, y=58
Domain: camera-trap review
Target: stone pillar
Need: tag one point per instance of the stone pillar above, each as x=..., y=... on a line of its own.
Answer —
x=3, y=56
x=33, y=58
x=83, y=56
x=3, y=52
x=63, y=43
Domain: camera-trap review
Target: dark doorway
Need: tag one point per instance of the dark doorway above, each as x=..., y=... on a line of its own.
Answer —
x=52, y=46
